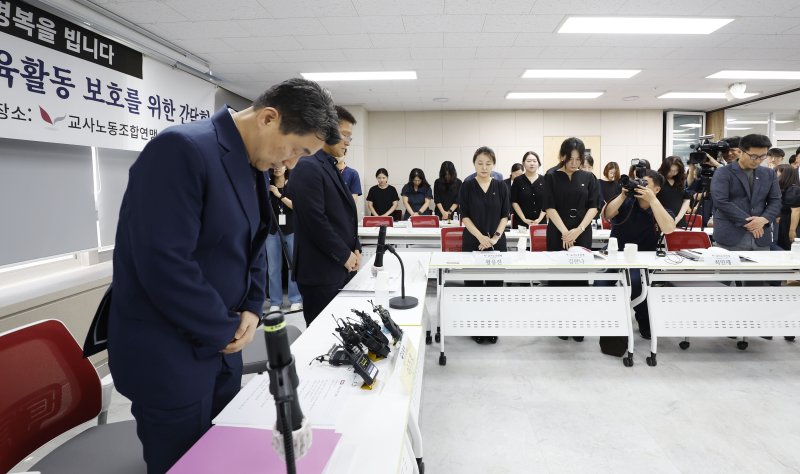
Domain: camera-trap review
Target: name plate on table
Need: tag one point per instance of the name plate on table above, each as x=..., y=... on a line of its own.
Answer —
x=406, y=362
x=572, y=258
x=488, y=258
x=720, y=259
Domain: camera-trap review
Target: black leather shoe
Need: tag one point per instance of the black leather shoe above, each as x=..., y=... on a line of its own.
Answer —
x=578, y=338
x=478, y=339
x=564, y=338
x=492, y=339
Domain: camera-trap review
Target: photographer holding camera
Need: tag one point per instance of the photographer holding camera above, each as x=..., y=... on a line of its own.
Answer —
x=638, y=217
x=747, y=198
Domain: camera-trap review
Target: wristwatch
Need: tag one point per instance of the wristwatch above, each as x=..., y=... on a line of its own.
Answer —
x=496, y=234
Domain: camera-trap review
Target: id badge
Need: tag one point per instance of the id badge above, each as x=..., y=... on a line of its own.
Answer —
x=281, y=219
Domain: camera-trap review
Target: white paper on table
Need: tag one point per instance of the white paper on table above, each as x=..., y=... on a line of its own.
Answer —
x=364, y=283
x=321, y=399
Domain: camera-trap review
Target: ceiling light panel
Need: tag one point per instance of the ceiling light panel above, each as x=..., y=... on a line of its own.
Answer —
x=643, y=26
x=776, y=75
x=553, y=95
x=360, y=76
x=701, y=95
x=580, y=73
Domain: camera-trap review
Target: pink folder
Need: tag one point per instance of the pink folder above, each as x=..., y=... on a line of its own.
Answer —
x=249, y=450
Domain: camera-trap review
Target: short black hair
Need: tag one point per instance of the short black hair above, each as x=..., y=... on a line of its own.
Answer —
x=516, y=167
x=754, y=140
x=589, y=159
x=345, y=115
x=776, y=152
x=484, y=150
x=792, y=159
x=381, y=171
x=533, y=153
x=658, y=180
x=305, y=108
x=733, y=142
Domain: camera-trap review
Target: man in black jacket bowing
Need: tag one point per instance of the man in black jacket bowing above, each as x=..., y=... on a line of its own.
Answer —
x=327, y=250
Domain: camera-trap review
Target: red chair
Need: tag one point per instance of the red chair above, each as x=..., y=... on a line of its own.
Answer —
x=424, y=221
x=681, y=239
x=377, y=221
x=538, y=237
x=696, y=222
x=605, y=223
x=452, y=239
x=48, y=389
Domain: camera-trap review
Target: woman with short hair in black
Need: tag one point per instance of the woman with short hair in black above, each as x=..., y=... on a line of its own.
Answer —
x=484, y=213
x=527, y=193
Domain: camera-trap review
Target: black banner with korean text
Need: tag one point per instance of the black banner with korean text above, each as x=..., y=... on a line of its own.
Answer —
x=32, y=24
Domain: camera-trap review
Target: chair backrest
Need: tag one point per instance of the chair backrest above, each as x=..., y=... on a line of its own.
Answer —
x=538, y=237
x=424, y=221
x=680, y=240
x=377, y=221
x=48, y=388
x=605, y=223
x=452, y=239
x=397, y=215
x=696, y=222
x=511, y=221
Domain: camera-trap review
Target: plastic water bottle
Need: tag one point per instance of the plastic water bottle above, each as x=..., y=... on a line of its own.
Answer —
x=796, y=249
x=455, y=219
x=522, y=245
x=382, y=288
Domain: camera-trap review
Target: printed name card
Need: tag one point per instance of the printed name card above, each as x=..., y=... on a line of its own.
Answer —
x=720, y=259
x=488, y=258
x=573, y=258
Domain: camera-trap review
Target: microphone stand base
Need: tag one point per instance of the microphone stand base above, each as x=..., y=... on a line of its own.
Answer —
x=403, y=302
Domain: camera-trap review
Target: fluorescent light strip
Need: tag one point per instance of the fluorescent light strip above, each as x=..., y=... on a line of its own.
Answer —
x=360, y=76
x=777, y=75
x=553, y=95
x=756, y=122
x=643, y=26
x=580, y=73
x=701, y=95
x=691, y=125
x=737, y=128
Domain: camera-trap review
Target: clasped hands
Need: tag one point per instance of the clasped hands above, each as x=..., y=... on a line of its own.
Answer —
x=755, y=225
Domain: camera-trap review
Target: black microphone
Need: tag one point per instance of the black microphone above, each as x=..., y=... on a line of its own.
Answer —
x=283, y=383
x=380, y=251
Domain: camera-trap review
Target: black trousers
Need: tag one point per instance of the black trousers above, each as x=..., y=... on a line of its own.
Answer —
x=317, y=297
x=167, y=433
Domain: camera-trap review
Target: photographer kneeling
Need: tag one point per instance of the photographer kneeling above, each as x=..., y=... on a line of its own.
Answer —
x=638, y=217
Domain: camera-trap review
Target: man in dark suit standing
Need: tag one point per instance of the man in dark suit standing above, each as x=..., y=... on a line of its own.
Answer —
x=189, y=261
x=327, y=249
x=746, y=197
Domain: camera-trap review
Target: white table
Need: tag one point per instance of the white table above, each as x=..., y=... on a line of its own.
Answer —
x=379, y=428
x=559, y=311
x=685, y=308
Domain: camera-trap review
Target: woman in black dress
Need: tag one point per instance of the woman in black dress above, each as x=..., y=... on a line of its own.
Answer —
x=527, y=193
x=516, y=172
x=571, y=197
x=445, y=191
x=789, y=182
x=417, y=195
x=484, y=206
x=673, y=195
x=382, y=199
x=609, y=183
x=484, y=214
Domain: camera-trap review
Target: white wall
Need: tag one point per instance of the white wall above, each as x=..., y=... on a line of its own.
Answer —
x=399, y=141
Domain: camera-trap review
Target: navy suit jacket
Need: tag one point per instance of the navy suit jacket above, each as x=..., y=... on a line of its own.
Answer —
x=326, y=222
x=734, y=202
x=189, y=255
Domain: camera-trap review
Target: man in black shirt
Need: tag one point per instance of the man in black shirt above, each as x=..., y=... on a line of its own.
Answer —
x=640, y=220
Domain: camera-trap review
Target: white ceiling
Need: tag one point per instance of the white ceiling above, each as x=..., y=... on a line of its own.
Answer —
x=474, y=51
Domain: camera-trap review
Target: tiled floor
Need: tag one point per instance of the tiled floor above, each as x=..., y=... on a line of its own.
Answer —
x=530, y=405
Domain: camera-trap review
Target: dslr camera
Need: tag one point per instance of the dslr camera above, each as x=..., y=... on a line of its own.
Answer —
x=704, y=147
x=631, y=184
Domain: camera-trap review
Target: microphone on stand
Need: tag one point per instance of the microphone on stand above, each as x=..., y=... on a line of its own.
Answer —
x=402, y=301
x=377, y=264
x=292, y=437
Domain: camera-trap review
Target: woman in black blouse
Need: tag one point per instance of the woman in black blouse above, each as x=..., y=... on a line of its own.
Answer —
x=789, y=183
x=382, y=199
x=673, y=195
x=484, y=213
x=417, y=195
x=445, y=191
x=484, y=206
x=516, y=172
x=527, y=193
x=609, y=185
x=571, y=197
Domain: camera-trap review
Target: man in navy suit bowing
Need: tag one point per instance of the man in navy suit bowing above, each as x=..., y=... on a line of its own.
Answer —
x=326, y=248
x=189, y=261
